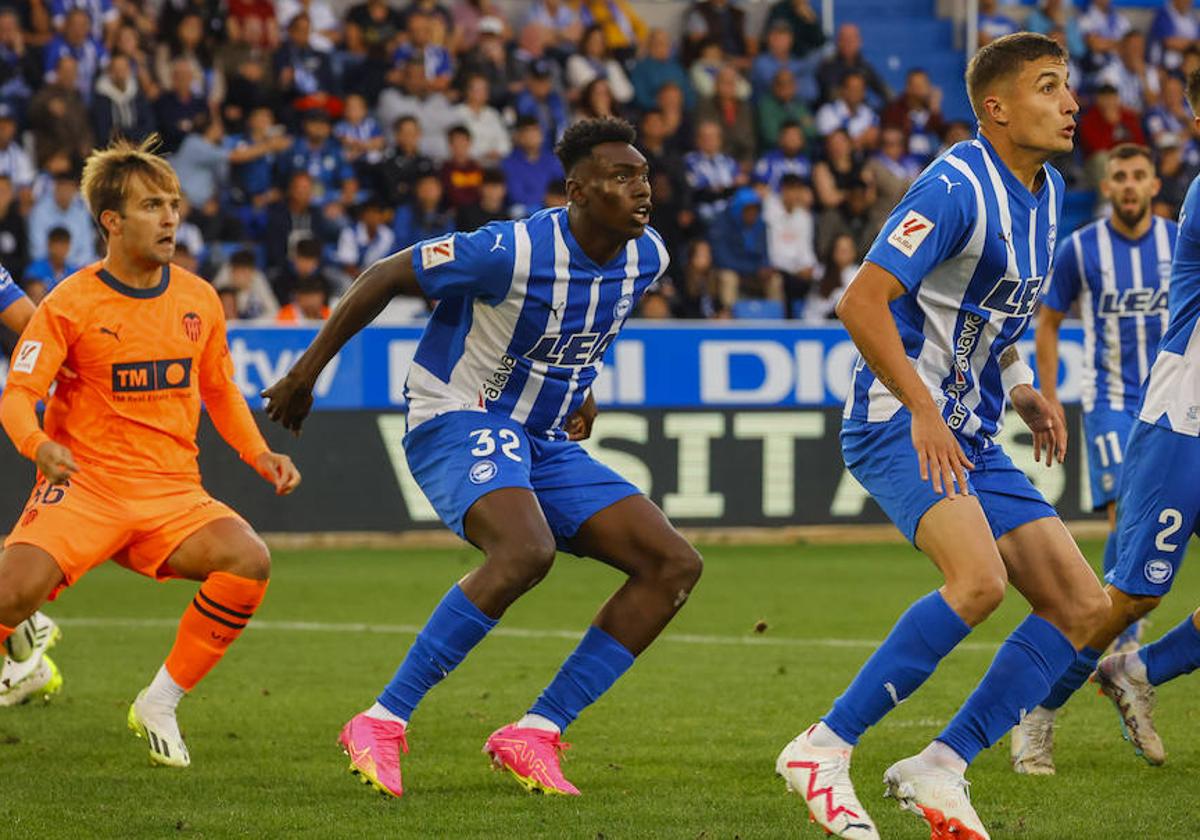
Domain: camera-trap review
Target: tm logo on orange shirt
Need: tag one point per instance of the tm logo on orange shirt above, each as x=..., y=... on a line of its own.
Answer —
x=157, y=375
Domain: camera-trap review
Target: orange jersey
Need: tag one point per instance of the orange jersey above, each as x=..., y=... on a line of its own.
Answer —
x=145, y=360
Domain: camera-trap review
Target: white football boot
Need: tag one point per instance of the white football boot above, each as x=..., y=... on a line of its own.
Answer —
x=1033, y=743
x=939, y=796
x=32, y=637
x=157, y=725
x=821, y=777
x=21, y=682
x=1133, y=695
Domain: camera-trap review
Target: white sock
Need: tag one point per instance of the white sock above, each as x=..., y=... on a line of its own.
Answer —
x=1135, y=667
x=537, y=722
x=381, y=712
x=941, y=755
x=823, y=736
x=164, y=691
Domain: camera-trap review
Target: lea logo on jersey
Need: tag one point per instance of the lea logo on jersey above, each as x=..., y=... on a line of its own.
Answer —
x=574, y=350
x=1132, y=302
x=437, y=253
x=157, y=375
x=907, y=236
x=1014, y=296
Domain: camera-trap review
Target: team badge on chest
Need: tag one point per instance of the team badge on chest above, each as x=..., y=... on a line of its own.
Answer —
x=191, y=326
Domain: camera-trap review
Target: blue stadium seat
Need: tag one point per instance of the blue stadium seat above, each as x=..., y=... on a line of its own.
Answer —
x=755, y=309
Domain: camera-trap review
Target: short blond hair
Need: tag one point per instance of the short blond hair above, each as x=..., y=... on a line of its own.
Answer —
x=108, y=172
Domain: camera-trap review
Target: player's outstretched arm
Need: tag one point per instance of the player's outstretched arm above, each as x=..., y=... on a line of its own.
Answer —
x=17, y=314
x=864, y=311
x=290, y=399
x=1046, y=344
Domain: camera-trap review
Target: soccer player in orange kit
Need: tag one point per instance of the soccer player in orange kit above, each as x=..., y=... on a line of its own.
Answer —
x=117, y=471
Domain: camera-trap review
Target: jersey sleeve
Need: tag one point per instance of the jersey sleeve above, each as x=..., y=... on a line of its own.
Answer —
x=1065, y=279
x=10, y=292
x=35, y=363
x=224, y=401
x=478, y=264
x=930, y=224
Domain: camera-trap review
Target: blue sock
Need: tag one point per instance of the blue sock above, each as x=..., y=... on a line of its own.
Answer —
x=1027, y=664
x=1173, y=655
x=1110, y=552
x=589, y=671
x=1074, y=677
x=926, y=632
x=455, y=627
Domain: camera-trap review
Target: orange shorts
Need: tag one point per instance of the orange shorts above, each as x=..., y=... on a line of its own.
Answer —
x=136, y=521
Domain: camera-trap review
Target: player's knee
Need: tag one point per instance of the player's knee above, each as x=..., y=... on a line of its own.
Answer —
x=679, y=569
x=1096, y=608
x=1139, y=606
x=249, y=558
x=522, y=564
x=980, y=595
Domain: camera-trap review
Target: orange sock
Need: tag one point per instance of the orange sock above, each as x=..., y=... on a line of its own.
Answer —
x=217, y=616
x=5, y=632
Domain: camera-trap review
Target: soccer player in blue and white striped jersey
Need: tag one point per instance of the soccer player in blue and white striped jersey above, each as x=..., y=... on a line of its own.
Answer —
x=1159, y=505
x=946, y=291
x=499, y=394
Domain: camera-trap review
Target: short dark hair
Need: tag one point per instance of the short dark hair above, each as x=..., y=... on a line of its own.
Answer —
x=494, y=176
x=458, y=129
x=242, y=258
x=1125, y=151
x=579, y=139
x=790, y=179
x=1193, y=90
x=1003, y=58
x=308, y=247
x=527, y=121
x=58, y=234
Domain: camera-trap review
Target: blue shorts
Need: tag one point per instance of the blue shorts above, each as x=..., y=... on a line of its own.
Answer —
x=1158, y=511
x=882, y=458
x=1105, y=432
x=461, y=456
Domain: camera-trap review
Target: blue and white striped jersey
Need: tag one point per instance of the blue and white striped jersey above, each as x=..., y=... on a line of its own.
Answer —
x=1122, y=286
x=972, y=247
x=10, y=292
x=523, y=319
x=1172, y=397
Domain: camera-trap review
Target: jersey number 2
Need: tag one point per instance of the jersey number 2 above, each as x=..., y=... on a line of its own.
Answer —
x=485, y=444
x=1173, y=520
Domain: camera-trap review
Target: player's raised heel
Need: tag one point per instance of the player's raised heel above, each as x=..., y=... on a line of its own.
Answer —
x=531, y=756
x=374, y=747
x=939, y=796
x=1133, y=697
x=40, y=682
x=821, y=777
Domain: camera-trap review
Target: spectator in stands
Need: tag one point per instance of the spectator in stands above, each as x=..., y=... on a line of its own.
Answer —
x=695, y=296
x=404, y=164
x=595, y=101
x=187, y=232
x=325, y=26
x=850, y=113
x=258, y=16
x=420, y=46
x=367, y=240
x=838, y=268
x=1135, y=81
x=1174, y=173
x=556, y=195
x=721, y=21
x=432, y=110
x=1102, y=28
x=20, y=63
x=492, y=205
x=1105, y=124
x=780, y=106
x=852, y=217
x=734, y=114
x=303, y=75
x=310, y=302
x=254, y=158
x=491, y=60
x=58, y=115
x=63, y=207
x=711, y=174
x=75, y=39
x=119, y=108
x=490, y=141
x=372, y=26
x=228, y=297
x=301, y=260
x=529, y=169
x=791, y=238
x=803, y=22
x=1058, y=14
x=318, y=154
x=788, y=159
x=248, y=85
x=185, y=41
x=202, y=162
x=538, y=99
x=594, y=61
x=654, y=69
x=461, y=174
x=847, y=58
x=1174, y=29
x=103, y=16
x=892, y=169
x=14, y=246
x=676, y=119
x=672, y=214
x=655, y=304
x=533, y=47
x=992, y=24
x=176, y=109
x=361, y=138
x=14, y=162
x=836, y=176
x=1172, y=115
x=424, y=218
x=296, y=217
x=704, y=70
x=251, y=293
x=560, y=18
x=777, y=56
x=917, y=112
x=623, y=28
x=42, y=275
x=739, y=245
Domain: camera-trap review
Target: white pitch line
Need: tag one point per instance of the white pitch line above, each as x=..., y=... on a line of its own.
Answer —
x=508, y=632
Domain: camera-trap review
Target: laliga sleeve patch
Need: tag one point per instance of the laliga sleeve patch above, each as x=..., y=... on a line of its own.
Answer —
x=907, y=236
x=26, y=356
x=437, y=253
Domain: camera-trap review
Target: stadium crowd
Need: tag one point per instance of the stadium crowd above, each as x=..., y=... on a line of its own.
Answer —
x=309, y=143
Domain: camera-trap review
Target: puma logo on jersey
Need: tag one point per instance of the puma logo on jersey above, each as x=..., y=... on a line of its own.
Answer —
x=498, y=245
x=114, y=333
x=949, y=184
x=907, y=236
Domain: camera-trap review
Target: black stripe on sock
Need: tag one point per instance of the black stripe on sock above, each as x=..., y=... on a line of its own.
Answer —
x=224, y=608
x=200, y=609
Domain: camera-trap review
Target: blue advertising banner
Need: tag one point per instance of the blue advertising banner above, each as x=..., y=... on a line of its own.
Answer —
x=652, y=365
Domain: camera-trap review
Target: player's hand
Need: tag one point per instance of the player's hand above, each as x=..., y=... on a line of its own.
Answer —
x=279, y=470
x=579, y=424
x=289, y=401
x=939, y=455
x=55, y=462
x=1046, y=420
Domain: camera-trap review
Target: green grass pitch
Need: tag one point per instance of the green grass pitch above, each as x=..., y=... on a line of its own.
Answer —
x=682, y=747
